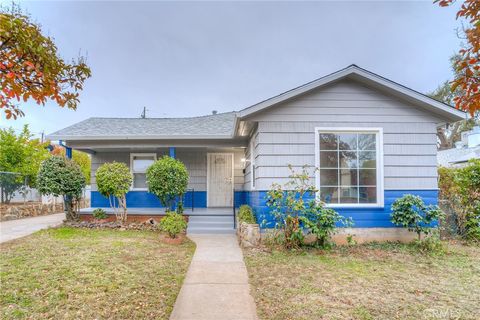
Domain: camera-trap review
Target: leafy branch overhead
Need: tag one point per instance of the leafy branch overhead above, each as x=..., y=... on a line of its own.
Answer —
x=467, y=67
x=31, y=68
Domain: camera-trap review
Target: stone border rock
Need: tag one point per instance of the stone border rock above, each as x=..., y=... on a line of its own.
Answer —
x=248, y=234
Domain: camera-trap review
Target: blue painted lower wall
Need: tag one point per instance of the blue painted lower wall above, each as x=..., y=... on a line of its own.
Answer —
x=144, y=199
x=362, y=217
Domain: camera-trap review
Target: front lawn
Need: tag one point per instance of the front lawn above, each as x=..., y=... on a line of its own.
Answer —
x=389, y=281
x=69, y=273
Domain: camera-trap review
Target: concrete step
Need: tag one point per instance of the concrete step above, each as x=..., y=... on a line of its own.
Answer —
x=210, y=230
x=211, y=219
x=210, y=225
x=206, y=224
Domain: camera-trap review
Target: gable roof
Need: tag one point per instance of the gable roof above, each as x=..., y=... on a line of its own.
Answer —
x=446, y=111
x=215, y=126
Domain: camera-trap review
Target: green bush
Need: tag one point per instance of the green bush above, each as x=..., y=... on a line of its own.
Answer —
x=173, y=224
x=113, y=181
x=411, y=212
x=460, y=187
x=245, y=214
x=59, y=176
x=167, y=178
x=99, y=214
x=296, y=212
x=322, y=222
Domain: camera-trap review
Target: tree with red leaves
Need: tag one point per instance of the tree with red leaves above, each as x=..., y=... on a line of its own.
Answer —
x=31, y=69
x=467, y=67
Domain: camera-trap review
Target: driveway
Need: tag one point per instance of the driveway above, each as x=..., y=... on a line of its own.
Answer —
x=14, y=229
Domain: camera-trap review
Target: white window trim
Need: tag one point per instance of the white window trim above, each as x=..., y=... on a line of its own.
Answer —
x=132, y=155
x=253, y=176
x=379, y=159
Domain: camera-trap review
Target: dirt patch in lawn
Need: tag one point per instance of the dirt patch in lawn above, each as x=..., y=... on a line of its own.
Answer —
x=69, y=273
x=390, y=281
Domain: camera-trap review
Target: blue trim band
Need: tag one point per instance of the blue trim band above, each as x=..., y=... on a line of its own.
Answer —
x=362, y=217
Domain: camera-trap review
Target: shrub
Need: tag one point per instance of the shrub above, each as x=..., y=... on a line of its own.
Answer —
x=411, y=212
x=99, y=214
x=59, y=176
x=113, y=181
x=245, y=214
x=173, y=224
x=322, y=222
x=294, y=207
x=461, y=189
x=167, y=178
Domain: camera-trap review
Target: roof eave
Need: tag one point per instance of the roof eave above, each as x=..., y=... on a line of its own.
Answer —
x=139, y=137
x=448, y=112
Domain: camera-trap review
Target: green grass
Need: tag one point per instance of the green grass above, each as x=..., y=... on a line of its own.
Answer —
x=377, y=281
x=69, y=273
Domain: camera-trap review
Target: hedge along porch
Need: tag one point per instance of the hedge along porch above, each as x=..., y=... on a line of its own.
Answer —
x=372, y=139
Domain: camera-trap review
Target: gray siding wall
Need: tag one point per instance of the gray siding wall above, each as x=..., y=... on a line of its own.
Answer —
x=286, y=134
x=194, y=159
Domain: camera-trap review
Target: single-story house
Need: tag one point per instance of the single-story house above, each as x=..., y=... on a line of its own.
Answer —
x=372, y=139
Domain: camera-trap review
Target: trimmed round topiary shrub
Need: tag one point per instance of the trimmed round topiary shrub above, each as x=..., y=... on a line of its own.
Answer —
x=167, y=178
x=60, y=176
x=113, y=181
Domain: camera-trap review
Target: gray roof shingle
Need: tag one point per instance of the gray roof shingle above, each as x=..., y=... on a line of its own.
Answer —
x=215, y=126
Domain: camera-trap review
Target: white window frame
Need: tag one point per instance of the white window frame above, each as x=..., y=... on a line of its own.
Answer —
x=379, y=161
x=132, y=155
x=253, y=175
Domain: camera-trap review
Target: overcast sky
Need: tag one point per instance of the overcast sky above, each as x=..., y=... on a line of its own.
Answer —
x=187, y=59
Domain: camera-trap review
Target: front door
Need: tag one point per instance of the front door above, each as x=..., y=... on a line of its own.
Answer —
x=220, y=179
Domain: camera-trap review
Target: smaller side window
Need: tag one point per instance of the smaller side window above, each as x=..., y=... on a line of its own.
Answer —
x=139, y=162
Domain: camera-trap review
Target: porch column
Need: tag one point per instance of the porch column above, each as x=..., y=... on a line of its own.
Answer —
x=171, y=152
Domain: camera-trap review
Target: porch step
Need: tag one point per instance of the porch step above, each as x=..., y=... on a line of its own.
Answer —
x=210, y=225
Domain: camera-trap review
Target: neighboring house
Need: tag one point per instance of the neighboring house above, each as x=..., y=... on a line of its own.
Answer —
x=466, y=149
x=373, y=140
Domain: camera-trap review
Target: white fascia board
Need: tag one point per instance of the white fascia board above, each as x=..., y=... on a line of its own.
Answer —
x=450, y=112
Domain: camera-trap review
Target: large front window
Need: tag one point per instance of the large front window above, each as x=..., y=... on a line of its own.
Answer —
x=139, y=162
x=349, y=163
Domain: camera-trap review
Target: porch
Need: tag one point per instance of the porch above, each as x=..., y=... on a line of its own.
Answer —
x=200, y=220
x=155, y=212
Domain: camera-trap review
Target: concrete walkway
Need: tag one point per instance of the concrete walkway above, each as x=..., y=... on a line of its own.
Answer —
x=14, y=229
x=216, y=285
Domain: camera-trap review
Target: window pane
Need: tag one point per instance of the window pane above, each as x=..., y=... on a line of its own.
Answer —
x=328, y=141
x=368, y=177
x=347, y=141
x=349, y=195
x=139, y=180
x=367, y=141
x=141, y=163
x=348, y=177
x=367, y=159
x=328, y=177
x=368, y=195
x=329, y=194
x=348, y=159
x=328, y=159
